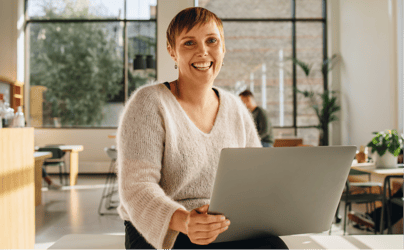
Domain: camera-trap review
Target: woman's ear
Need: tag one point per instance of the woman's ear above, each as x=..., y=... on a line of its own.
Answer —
x=171, y=51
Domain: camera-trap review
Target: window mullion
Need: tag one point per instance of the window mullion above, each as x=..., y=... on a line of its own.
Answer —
x=125, y=55
x=294, y=65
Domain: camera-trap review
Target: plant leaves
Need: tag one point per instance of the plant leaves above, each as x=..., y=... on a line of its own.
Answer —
x=304, y=66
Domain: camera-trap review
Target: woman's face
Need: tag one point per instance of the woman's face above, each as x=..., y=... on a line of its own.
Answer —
x=199, y=53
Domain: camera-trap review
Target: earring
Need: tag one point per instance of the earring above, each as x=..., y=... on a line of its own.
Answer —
x=222, y=63
x=175, y=66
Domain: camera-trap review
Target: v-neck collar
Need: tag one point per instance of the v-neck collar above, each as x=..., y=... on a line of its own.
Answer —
x=218, y=115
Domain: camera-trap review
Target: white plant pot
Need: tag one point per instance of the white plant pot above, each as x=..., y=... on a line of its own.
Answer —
x=388, y=160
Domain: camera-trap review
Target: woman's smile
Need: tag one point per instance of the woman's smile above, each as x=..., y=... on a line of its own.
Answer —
x=202, y=66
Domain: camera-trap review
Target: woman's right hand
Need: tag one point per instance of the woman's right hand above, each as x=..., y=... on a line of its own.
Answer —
x=203, y=228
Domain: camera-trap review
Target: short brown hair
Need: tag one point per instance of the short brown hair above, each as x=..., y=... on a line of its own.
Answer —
x=246, y=93
x=189, y=18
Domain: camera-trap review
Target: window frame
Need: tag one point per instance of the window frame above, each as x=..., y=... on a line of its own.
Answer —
x=295, y=20
x=93, y=20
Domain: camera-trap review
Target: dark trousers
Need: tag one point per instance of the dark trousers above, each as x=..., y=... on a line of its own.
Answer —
x=396, y=215
x=133, y=240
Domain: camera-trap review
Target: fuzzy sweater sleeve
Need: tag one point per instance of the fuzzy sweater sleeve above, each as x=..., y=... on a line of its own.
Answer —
x=140, y=141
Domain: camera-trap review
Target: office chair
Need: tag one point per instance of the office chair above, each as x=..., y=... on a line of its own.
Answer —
x=368, y=185
x=109, y=188
x=349, y=198
x=389, y=202
x=360, y=186
x=56, y=160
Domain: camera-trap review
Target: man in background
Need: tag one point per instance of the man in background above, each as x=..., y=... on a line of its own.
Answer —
x=261, y=120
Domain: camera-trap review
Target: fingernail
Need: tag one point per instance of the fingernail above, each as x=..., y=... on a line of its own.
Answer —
x=228, y=222
x=222, y=218
x=226, y=228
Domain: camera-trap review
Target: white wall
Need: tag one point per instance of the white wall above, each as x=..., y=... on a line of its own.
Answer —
x=334, y=78
x=400, y=57
x=166, y=10
x=11, y=36
x=367, y=43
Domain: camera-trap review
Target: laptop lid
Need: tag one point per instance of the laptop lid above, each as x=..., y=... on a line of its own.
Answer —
x=279, y=191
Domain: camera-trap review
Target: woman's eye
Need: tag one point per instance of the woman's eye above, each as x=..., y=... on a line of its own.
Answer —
x=212, y=40
x=189, y=43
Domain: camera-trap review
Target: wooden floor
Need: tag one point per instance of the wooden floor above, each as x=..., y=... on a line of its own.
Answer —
x=73, y=210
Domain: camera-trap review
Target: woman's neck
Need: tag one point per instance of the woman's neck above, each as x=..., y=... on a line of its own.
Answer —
x=198, y=95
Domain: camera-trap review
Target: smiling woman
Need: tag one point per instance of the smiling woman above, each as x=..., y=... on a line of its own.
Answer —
x=169, y=141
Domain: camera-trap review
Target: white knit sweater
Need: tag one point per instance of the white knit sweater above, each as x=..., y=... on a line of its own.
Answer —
x=165, y=162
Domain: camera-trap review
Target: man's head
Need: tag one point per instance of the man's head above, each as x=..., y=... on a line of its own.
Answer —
x=248, y=98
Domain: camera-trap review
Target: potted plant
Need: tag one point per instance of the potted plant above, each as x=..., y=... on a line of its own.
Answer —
x=324, y=104
x=387, y=145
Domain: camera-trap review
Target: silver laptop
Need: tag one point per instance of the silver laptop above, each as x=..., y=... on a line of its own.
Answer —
x=279, y=191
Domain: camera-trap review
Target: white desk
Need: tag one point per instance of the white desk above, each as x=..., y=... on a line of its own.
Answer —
x=74, y=160
x=99, y=241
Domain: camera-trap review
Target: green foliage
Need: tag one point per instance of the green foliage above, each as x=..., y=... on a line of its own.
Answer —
x=388, y=140
x=304, y=66
x=324, y=104
x=326, y=110
x=79, y=63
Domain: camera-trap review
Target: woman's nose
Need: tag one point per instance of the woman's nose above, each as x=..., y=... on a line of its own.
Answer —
x=202, y=50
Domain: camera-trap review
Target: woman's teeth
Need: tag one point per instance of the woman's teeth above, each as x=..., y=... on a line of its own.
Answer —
x=202, y=66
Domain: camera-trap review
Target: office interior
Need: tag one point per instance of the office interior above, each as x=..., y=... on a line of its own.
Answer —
x=366, y=36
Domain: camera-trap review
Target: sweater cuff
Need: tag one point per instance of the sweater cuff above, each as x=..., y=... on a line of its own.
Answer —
x=168, y=237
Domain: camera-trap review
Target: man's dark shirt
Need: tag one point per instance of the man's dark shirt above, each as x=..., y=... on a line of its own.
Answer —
x=263, y=124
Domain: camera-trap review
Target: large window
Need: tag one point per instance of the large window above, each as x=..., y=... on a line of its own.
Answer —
x=261, y=38
x=86, y=57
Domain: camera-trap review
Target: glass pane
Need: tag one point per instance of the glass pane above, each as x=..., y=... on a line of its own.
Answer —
x=141, y=9
x=310, y=136
x=84, y=9
x=309, y=49
x=248, y=9
x=142, y=54
x=309, y=8
x=81, y=66
x=256, y=59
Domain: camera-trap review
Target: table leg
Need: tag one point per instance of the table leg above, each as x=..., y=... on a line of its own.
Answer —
x=74, y=167
x=38, y=182
x=383, y=205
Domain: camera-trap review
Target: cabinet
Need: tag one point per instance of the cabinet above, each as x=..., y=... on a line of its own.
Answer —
x=17, y=200
x=16, y=92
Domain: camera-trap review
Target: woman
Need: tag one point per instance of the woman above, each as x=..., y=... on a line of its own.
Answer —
x=169, y=141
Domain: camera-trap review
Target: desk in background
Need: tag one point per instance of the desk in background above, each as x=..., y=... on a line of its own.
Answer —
x=288, y=142
x=377, y=174
x=74, y=160
x=39, y=159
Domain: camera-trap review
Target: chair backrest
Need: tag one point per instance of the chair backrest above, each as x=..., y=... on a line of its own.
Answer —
x=111, y=152
x=57, y=153
x=357, y=172
x=288, y=142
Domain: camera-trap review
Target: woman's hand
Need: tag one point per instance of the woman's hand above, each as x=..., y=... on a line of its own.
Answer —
x=203, y=228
